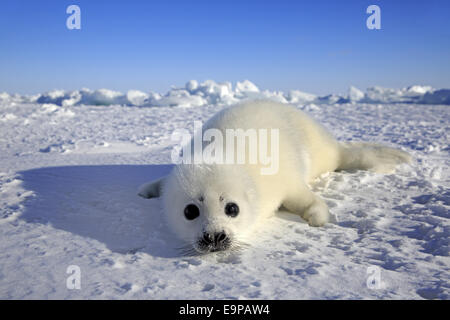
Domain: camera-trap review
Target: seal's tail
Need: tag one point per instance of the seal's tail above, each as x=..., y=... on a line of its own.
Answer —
x=370, y=156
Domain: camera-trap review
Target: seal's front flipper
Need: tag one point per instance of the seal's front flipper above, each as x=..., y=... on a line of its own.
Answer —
x=309, y=206
x=151, y=189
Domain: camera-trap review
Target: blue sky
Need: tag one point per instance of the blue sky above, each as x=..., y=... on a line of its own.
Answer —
x=315, y=46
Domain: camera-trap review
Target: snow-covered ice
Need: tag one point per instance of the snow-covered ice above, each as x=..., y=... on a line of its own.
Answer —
x=195, y=94
x=71, y=163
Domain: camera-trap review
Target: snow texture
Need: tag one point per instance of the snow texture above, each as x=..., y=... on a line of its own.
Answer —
x=71, y=163
x=211, y=92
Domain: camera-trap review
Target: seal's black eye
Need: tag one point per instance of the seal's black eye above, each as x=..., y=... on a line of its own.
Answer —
x=231, y=209
x=191, y=212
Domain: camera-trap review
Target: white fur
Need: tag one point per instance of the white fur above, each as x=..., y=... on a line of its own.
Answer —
x=306, y=150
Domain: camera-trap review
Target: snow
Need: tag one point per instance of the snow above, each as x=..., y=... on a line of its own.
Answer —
x=296, y=96
x=354, y=94
x=437, y=97
x=246, y=86
x=195, y=94
x=419, y=89
x=71, y=163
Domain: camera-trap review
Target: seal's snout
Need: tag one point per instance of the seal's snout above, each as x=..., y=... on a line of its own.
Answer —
x=216, y=241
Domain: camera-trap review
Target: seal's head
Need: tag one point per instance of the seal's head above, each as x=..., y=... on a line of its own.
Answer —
x=211, y=207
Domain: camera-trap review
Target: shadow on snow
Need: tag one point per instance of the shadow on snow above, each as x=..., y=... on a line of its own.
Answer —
x=101, y=202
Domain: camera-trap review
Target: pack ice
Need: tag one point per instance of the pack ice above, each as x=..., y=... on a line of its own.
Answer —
x=71, y=162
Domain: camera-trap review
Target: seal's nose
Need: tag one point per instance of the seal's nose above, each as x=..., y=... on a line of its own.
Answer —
x=217, y=240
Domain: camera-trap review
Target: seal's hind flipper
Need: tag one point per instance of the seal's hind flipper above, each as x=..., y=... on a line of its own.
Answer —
x=370, y=156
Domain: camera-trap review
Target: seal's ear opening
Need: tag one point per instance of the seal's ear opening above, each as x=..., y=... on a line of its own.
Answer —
x=151, y=189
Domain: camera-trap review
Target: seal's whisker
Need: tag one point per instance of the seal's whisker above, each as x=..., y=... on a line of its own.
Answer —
x=238, y=246
x=187, y=250
x=190, y=253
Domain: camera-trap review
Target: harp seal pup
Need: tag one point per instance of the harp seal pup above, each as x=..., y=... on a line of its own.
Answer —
x=215, y=207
